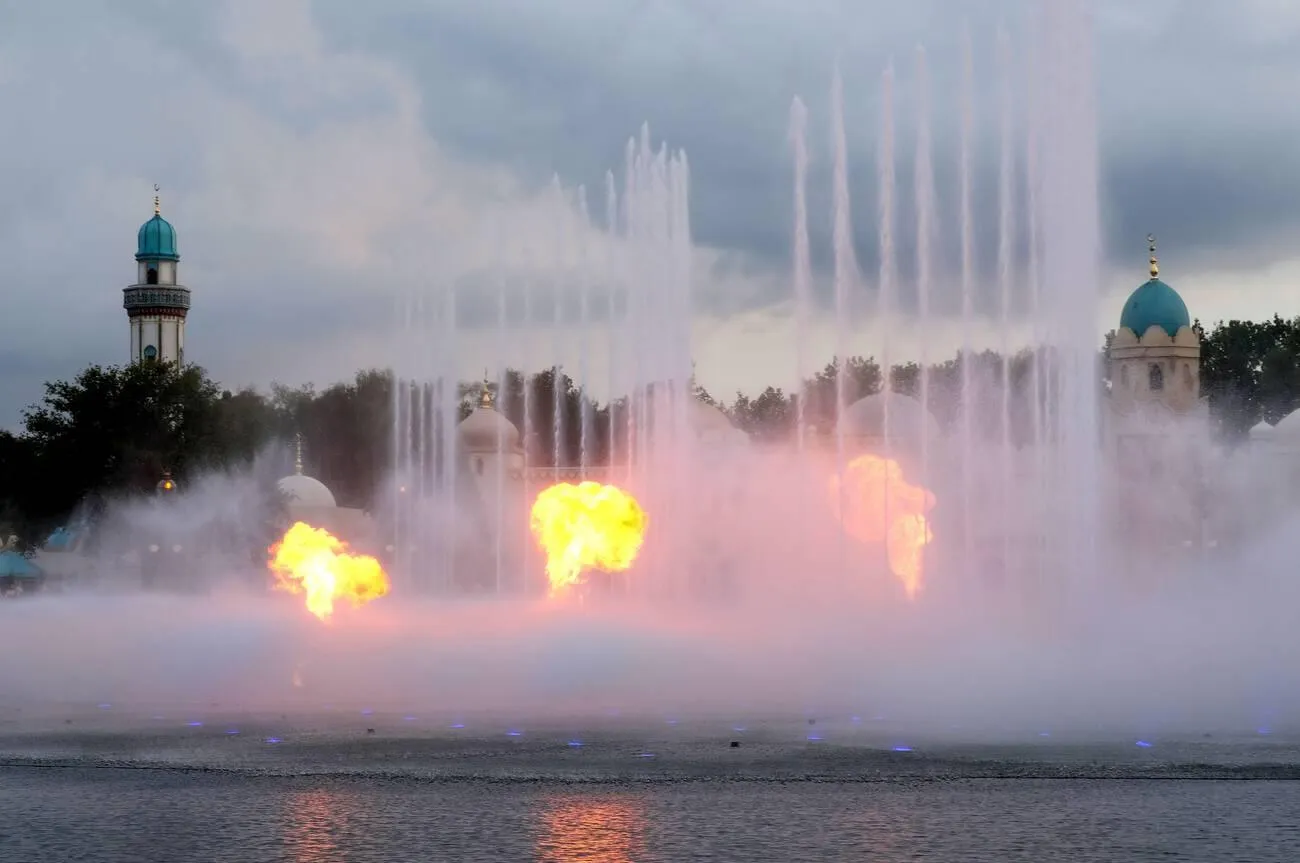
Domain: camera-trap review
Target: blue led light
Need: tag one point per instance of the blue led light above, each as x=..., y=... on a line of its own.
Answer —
x=194, y=724
x=1044, y=734
x=458, y=725
x=739, y=729
x=902, y=749
x=232, y=731
x=575, y=743
x=1144, y=744
x=814, y=738
x=273, y=740
x=513, y=733
x=645, y=755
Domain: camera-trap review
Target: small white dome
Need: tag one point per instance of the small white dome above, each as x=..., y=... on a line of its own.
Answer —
x=1262, y=431
x=1287, y=428
x=907, y=419
x=485, y=429
x=713, y=426
x=306, y=491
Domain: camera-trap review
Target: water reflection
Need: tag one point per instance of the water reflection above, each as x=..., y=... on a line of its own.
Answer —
x=311, y=821
x=591, y=829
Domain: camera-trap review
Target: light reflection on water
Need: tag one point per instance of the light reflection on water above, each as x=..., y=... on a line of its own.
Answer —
x=312, y=819
x=583, y=829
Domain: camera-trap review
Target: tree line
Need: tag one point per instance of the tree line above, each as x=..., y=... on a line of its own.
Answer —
x=114, y=430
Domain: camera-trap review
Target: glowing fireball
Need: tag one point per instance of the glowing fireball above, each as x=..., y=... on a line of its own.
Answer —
x=312, y=561
x=586, y=526
x=881, y=506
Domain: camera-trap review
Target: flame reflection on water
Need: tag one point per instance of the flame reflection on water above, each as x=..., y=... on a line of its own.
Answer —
x=602, y=830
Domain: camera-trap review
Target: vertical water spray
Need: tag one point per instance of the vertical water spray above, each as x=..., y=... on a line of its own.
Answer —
x=802, y=259
x=584, y=335
x=557, y=318
x=885, y=227
x=1071, y=278
x=845, y=277
x=450, y=410
x=501, y=453
x=965, y=156
x=1005, y=228
x=403, y=341
x=527, y=433
x=923, y=187
x=613, y=322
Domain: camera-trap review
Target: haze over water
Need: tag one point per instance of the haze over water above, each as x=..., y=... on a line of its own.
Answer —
x=659, y=713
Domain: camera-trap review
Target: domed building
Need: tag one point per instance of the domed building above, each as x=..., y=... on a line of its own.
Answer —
x=309, y=500
x=889, y=421
x=713, y=428
x=489, y=440
x=1155, y=364
x=1155, y=421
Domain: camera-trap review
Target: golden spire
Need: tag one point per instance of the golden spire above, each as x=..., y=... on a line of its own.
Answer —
x=1151, y=247
x=485, y=399
x=297, y=453
x=157, y=203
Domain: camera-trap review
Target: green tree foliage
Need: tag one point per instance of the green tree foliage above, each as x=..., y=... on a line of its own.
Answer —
x=1250, y=372
x=113, y=430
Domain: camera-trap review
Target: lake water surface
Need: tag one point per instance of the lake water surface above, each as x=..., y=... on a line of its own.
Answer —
x=99, y=787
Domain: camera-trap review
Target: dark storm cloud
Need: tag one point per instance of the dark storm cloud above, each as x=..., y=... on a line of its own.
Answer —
x=306, y=197
x=1193, y=146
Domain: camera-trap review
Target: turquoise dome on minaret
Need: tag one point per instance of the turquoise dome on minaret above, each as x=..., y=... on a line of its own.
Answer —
x=1154, y=304
x=157, y=238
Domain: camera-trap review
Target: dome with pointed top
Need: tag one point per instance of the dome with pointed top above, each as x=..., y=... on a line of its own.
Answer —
x=486, y=430
x=1155, y=304
x=304, y=490
x=156, y=241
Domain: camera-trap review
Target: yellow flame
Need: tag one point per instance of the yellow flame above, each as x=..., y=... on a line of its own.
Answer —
x=881, y=506
x=586, y=526
x=312, y=561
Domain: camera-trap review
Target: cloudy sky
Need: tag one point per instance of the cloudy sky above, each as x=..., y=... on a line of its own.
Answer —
x=320, y=159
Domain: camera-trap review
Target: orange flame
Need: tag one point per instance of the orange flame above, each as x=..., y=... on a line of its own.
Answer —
x=314, y=562
x=584, y=526
x=880, y=506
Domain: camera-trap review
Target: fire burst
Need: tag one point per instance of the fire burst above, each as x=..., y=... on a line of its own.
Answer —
x=881, y=506
x=314, y=562
x=584, y=526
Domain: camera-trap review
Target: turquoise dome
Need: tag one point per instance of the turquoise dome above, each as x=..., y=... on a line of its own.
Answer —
x=157, y=241
x=1155, y=304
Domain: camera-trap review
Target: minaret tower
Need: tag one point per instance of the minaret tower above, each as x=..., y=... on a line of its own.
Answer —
x=156, y=305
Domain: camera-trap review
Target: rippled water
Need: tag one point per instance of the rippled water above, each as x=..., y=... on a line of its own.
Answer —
x=402, y=788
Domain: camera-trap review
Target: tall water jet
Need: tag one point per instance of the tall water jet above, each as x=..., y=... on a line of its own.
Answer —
x=500, y=533
x=1005, y=228
x=613, y=321
x=845, y=274
x=923, y=188
x=965, y=157
x=450, y=411
x=527, y=433
x=885, y=223
x=557, y=319
x=584, y=325
x=1071, y=273
x=802, y=259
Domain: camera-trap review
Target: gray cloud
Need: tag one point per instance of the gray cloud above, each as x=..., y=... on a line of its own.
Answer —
x=319, y=159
